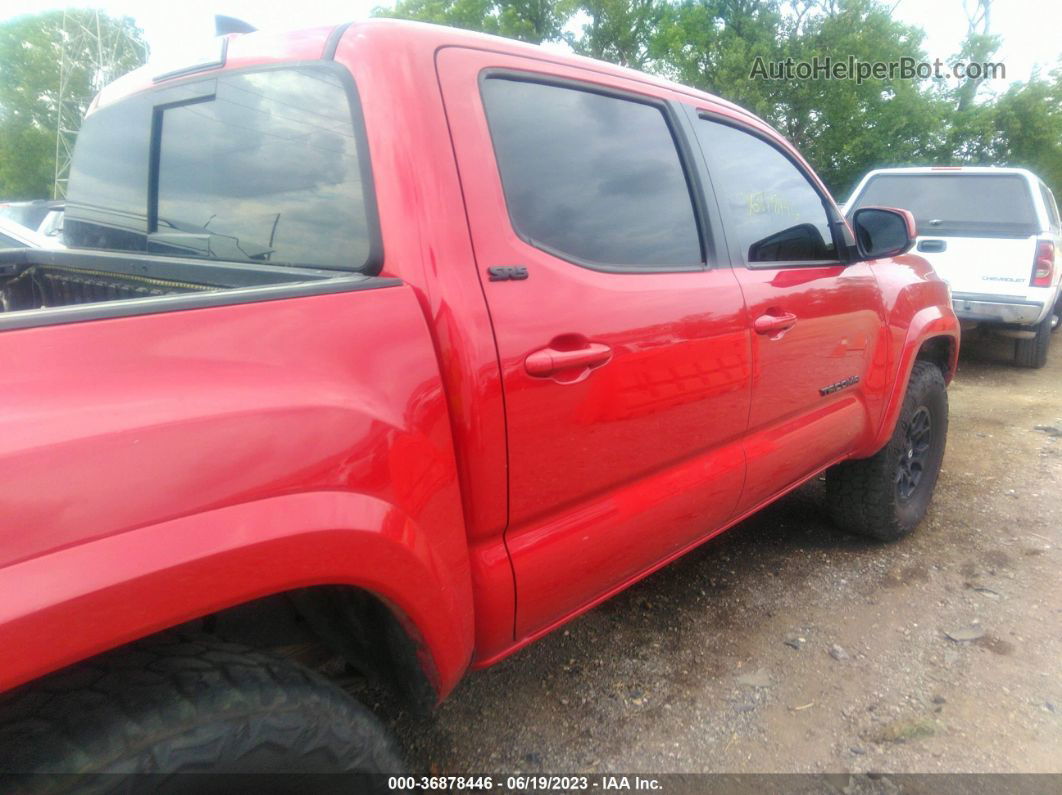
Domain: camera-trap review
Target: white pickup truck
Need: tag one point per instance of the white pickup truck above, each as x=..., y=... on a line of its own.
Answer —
x=994, y=235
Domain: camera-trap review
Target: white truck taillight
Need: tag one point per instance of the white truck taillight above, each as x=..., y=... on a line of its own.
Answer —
x=1043, y=264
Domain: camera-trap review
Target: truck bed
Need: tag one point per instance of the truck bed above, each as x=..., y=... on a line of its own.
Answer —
x=45, y=287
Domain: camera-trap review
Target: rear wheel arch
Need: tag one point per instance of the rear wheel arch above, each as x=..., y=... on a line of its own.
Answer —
x=202, y=569
x=362, y=628
x=374, y=637
x=250, y=671
x=350, y=623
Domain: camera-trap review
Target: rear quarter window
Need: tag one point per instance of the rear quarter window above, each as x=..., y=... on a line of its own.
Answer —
x=986, y=205
x=267, y=168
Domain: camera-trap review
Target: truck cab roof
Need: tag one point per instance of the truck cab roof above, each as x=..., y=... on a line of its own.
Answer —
x=263, y=47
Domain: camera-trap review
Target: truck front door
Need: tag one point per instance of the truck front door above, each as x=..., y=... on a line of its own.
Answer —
x=817, y=323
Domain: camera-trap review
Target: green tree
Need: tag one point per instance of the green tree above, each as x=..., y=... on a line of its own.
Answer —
x=31, y=59
x=27, y=160
x=969, y=131
x=1027, y=128
x=619, y=31
x=533, y=21
x=978, y=46
x=712, y=45
x=843, y=127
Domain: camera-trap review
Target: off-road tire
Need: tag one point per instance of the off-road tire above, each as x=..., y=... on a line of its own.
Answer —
x=864, y=496
x=1033, y=352
x=184, y=703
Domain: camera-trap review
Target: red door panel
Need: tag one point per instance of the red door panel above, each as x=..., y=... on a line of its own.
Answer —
x=794, y=429
x=815, y=322
x=626, y=394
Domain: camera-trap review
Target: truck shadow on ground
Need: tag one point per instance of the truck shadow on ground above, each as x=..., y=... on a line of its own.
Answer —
x=981, y=348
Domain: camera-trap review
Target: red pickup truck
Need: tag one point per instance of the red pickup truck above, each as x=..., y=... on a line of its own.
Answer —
x=419, y=343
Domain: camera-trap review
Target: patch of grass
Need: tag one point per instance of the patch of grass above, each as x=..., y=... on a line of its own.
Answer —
x=905, y=730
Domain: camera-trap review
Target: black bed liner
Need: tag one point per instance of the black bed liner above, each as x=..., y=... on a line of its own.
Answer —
x=47, y=287
x=180, y=269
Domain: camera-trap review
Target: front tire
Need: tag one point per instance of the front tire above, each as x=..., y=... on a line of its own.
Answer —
x=184, y=704
x=1033, y=352
x=886, y=496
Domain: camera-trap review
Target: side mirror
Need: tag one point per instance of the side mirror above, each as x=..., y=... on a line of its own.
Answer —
x=883, y=232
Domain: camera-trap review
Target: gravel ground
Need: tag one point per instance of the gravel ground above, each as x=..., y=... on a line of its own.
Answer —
x=787, y=646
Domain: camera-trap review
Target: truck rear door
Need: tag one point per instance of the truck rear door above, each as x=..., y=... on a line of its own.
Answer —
x=623, y=344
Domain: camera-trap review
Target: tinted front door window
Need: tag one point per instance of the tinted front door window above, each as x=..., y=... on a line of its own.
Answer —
x=774, y=212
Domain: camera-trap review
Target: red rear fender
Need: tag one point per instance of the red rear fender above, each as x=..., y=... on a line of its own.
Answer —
x=91, y=597
x=159, y=467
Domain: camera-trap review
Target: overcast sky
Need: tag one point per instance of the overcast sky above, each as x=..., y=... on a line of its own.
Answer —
x=1029, y=27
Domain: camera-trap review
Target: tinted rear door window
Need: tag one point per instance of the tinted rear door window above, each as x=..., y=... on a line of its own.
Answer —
x=592, y=178
x=990, y=205
x=268, y=170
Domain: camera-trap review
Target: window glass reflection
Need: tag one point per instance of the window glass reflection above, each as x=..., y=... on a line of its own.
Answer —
x=775, y=213
x=592, y=177
x=267, y=171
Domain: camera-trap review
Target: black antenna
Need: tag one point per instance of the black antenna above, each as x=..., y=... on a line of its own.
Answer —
x=224, y=25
